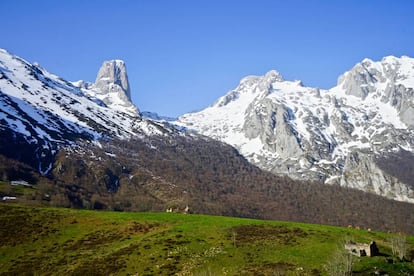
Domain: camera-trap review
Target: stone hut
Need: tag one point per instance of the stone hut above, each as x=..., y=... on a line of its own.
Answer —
x=362, y=249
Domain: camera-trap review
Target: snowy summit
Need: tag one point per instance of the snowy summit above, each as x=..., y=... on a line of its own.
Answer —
x=340, y=136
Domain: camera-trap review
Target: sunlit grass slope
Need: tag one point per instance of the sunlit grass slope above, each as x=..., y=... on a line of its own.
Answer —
x=79, y=242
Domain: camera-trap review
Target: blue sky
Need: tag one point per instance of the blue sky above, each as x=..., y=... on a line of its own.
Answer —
x=182, y=55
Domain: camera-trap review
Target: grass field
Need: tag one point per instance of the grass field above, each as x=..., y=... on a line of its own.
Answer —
x=51, y=241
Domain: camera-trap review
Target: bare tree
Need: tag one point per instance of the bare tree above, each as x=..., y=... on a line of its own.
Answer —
x=341, y=263
x=399, y=245
x=233, y=237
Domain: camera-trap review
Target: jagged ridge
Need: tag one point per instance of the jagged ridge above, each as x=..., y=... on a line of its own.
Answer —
x=63, y=131
x=331, y=135
x=46, y=112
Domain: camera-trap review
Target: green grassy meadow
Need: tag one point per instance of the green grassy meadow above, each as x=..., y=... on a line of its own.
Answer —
x=53, y=241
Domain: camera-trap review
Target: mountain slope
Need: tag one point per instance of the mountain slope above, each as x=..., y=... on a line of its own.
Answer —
x=45, y=111
x=156, y=174
x=112, y=87
x=75, y=148
x=335, y=135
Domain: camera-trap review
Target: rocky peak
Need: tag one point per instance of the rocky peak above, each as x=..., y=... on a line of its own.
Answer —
x=112, y=87
x=360, y=80
x=255, y=86
x=391, y=80
x=113, y=72
x=307, y=133
x=273, y=76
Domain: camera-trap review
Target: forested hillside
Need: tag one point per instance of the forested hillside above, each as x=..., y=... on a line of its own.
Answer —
x=156, y=174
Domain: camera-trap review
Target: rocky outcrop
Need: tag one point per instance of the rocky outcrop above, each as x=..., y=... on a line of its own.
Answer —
x=112, y=87
x=362, y=172
x=113, y=72
x=391, y=80
x=270, y=122
x=333, y=135
x=41, y=112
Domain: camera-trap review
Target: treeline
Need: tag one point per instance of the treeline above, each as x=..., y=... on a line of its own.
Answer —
x=213, y=178
x=159, y=173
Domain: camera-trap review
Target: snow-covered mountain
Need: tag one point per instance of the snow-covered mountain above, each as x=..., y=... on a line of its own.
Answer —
x=112, y=87
x=347, y=135
x=45, y=111
x=358, y=134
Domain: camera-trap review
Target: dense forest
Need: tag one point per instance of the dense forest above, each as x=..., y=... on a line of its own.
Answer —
x=208, y=177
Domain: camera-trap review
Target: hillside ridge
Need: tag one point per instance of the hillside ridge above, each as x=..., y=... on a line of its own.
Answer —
x=343, y=136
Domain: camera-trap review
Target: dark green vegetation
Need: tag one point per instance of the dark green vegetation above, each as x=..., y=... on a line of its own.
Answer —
x=53, y=241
